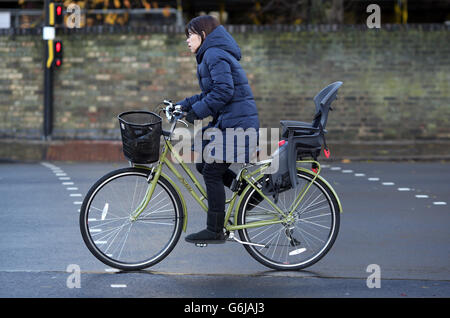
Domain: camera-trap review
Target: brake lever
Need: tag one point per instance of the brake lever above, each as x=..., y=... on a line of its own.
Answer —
x=182, y=121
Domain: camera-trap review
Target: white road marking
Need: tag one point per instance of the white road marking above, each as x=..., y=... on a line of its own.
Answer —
x=347, y=171
x=404, y=189
x=335, y=168
x=374, y=179
x=118, y=285
x=72, y=188
x=421, y=196
x=440, y=203
x=388, y=183
x=75, y=194
x=360, y=174
x=112, y=270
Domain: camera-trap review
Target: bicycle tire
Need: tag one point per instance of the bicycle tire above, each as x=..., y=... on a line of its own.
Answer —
x=298, y=244
x=144, y=225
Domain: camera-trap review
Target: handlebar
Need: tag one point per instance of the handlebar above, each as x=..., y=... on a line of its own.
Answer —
x=173, y=112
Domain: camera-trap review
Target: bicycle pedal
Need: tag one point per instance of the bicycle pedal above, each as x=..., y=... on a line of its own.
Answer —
x=201, y=244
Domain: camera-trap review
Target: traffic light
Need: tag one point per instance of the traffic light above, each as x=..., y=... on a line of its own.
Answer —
x=54, y=13
x=58, y=53
x=59, y=14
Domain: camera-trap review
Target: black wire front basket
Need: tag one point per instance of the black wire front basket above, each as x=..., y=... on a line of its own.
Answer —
x=141, y=133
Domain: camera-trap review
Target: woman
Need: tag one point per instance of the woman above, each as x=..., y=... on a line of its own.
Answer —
x=227, y=97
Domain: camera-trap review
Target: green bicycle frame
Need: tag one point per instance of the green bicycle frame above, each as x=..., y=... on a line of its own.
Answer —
x=280, y=216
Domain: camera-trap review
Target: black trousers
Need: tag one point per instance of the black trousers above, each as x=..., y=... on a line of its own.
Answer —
x=216, y=176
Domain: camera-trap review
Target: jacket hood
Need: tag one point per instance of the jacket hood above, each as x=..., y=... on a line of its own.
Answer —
x=219, y=38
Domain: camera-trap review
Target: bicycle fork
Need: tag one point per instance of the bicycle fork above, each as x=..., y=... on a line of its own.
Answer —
x=152, y=179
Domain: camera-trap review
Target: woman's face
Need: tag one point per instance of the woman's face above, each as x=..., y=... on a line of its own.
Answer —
x=194, y=41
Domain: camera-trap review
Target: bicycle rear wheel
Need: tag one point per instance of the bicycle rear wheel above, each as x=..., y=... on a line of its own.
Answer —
x=112, y=235
x=302, y=241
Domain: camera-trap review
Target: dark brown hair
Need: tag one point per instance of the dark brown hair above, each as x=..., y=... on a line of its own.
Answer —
x=203, y=23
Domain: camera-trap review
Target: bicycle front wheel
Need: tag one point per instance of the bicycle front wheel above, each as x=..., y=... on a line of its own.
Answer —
x=296, y=243
x=114, y=236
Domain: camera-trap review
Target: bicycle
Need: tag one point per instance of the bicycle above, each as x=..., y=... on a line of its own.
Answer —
x=133, y=217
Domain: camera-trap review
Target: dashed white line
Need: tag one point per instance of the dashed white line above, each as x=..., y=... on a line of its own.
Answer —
x=403, y=189
x=75, y=195
x=118, y=285
x=72, y=188
x=112, y=270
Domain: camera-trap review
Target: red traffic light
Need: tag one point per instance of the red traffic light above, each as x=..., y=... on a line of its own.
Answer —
x=58, y=53
x=59, y=14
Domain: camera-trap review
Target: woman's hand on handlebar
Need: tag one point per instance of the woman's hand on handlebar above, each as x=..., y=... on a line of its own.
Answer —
x=174, y=112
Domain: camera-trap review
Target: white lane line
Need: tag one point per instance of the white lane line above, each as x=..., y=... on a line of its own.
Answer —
x=388, y=183
x=360, y=174
x=75, y=194
x=67, y=183
x=347, y=171
x=404, y=189
x=440, y=203
x=112, y=270
x=374, y=179
x=61, y=174
x=77, y=202
x=118, y=285
x=335, y=168
x=64, y=178
x=72, y=188
x=421, y=196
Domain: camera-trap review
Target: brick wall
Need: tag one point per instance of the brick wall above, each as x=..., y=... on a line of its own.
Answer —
x=396, y=79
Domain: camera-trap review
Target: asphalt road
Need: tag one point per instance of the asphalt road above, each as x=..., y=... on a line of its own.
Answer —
x=396, y=216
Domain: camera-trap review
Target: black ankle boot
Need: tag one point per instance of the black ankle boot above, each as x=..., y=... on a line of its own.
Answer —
x=206, y=237
x=213, y=234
